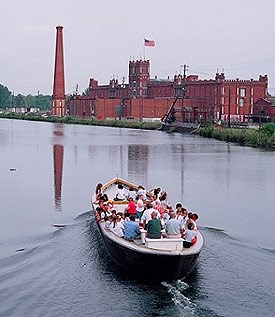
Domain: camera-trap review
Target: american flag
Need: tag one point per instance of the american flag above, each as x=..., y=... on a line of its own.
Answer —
x=149, y=42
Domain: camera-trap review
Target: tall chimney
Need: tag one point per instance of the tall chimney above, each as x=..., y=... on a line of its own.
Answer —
x=59, y=98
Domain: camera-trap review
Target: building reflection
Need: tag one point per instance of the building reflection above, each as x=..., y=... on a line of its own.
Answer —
x=58, y=156
x=138, y=162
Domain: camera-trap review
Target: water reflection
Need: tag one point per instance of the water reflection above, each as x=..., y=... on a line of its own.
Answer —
x=58, y=153
x=138, y=156
x=58, y=157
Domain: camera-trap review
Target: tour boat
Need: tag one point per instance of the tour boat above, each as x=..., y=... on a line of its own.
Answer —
x=158, y=259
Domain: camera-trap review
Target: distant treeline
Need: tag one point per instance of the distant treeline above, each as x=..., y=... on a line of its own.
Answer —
x=7, y=100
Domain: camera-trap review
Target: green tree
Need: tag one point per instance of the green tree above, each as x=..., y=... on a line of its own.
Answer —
x=43, y=102
x=19, y=100
x=5, y=97
x=30, y=101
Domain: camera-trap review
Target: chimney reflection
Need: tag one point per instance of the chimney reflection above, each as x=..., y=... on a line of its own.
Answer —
x=58, y=154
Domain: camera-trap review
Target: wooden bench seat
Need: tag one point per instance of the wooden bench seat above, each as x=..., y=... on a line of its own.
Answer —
x=164, y=244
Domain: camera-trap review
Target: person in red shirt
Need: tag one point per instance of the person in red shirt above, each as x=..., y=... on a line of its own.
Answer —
x=131, y=208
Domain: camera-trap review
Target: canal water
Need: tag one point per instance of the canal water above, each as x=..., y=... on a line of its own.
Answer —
x=52, y=261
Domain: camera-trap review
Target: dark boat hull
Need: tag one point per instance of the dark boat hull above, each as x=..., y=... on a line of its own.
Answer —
x=155, y=266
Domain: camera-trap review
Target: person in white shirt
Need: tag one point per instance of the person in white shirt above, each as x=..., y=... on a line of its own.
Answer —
x=141, y=191
x=147, y=214
x=121, y=193
x=190, y=235
x=131, y=193
x=140, y=207
x=117, y=226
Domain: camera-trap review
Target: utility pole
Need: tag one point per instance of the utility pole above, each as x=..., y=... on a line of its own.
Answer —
x=37, y=104
x=12, y=100
x=229, y=108
x=185, y=68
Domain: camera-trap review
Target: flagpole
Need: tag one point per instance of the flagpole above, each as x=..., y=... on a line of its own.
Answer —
x=144, y=48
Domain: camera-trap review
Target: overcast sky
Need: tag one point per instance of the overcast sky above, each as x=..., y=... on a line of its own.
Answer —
x=100, y=36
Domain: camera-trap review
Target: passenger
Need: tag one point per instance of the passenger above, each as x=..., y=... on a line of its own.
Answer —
x=98, y=189
x=147, y=214
x=173, y=228
x=121, y=194
x=116, y=226
x=195, y=218
x=141, y=191
x=140, y=207
x=181, y=216
x=104, y=197
x=156, y=192
x=131, y=208
x=121, y=216
x=165, y=217
x=190, y=235
x=166, y=214
x=100, y=214
x=131, y=228
x=132, y=193
x=154, y=226
x=163, y=200
x=190, y=220
x=113, y=212
x=108, y=222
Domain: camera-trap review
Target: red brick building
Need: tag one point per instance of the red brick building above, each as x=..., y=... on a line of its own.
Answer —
x=144, y=97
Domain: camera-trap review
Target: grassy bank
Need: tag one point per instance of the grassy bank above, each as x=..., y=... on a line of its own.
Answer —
x=89, y=121
x=263, y=138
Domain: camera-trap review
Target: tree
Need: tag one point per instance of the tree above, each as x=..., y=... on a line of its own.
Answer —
x=19, y=100
x=30, y=101
x=5, y=97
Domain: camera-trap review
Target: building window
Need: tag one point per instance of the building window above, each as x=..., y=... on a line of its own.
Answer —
x=242, y=92
x=241, y=102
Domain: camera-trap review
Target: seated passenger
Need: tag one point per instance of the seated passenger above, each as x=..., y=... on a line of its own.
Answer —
x=132, y=193
x=131, y=229
x=192, y=218
x=131, y=208
x=147, y=215
x=141, y=191
x=98, y=190
x=116, y=226
x=154, y=226
x=195, y=218
x=190, y=235
x=140, y=207
x=121, y=193
x=100, y=214
x=173, y=227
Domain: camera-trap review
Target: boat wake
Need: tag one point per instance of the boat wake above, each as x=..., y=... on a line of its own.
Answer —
x=183, y=303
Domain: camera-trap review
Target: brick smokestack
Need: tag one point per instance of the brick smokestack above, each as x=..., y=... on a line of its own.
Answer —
x=59, y=98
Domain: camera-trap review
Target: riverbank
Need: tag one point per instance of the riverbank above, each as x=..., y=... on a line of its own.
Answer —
x=85, y=121
x=263, y=138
